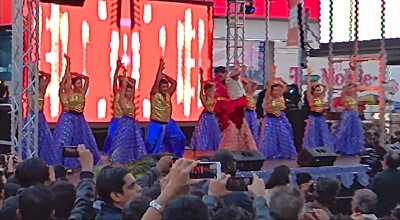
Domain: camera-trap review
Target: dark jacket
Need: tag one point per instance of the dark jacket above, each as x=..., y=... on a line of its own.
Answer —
x=148, y=182
x=84, y=198
x=386, y=185
x=109, y=212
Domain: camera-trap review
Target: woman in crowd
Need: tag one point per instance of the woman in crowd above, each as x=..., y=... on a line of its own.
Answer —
x=317, y=131
x=349, y=135
x=128, y=144
x=206, y=135
x=250, y=114
x=117, y=113
x=280, y=177
x=72, y=128
x=45, y=137
x=276, y=136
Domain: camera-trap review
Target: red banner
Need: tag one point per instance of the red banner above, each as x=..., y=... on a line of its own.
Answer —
x=293, y=32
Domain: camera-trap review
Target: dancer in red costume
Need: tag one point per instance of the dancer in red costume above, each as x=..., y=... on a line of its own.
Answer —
x=230, y=110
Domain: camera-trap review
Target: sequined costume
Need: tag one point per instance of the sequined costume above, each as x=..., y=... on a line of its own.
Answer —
x=72, y=130
x=206, y=134
x=45, y=138
x=317, y=132
x=128, y=144
x=112, y=128
x=163, y=134
x=276, y=135
x=251, y=117
x=348, y=137
x=237, y=139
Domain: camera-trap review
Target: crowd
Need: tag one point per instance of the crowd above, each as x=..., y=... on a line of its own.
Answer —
x=35, y=191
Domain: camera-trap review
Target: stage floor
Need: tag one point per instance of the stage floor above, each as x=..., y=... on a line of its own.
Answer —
x=270, y=164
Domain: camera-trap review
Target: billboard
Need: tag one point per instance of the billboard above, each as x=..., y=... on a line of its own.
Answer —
x=95, y=35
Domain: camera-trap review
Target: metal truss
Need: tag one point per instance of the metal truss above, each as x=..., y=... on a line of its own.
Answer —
x=24, y=88
x=235, y=22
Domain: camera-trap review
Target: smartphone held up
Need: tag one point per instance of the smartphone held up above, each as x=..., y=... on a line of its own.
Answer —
x=206, y=170
x=70, y=152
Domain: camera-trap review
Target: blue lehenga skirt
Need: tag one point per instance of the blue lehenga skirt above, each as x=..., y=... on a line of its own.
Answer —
x=128, y=144
x=206, y=135
x=46, y=150
x=251, y=118
x=276, y=137
x=349, y=134
x=73, y=130
x=112, y=131
x=317, y=132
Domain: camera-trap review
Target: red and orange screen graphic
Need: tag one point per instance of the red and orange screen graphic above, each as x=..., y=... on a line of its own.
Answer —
x=139, y=32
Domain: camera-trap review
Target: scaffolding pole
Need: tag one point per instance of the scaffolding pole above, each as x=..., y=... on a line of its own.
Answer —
x=25, y=80
x=235, y=22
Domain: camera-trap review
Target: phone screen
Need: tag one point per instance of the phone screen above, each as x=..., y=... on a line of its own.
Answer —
x=70, y=151
x=238, y=183
x=206, y=170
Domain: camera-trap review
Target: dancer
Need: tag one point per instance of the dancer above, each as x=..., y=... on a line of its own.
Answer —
x=317, y=132
x=236, y=134
x=348, y=138
x=128, y=144
x=163, y=134
x=206, y=134
x=72, y=128
x=117, y=113
x=250, y=114
x=276, y=136
x=45, y=137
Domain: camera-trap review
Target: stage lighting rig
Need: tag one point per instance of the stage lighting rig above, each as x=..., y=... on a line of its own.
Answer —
x=292, y=96
x=77, y=3
x=248, y=8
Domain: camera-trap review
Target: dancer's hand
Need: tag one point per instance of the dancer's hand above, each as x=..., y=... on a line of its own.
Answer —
x=67, y=59
x=309, y=71
x=237, y=65
x=119, y=63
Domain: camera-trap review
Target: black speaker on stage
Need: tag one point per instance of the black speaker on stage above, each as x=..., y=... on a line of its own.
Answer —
x=77, y=3
x=316, y=157
x=5, y=128
x=382, y=151
x=248, y=160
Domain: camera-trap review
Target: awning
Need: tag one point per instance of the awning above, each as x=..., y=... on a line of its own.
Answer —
x=365, y=48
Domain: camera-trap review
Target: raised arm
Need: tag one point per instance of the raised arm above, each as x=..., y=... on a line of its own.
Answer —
x=236, y=71
x=65, y=84
x=86, y=84
x=171, y=81
x=46, y=77
x=309, y=85
x=202, y=96
x=115, y=81
x=159, y=76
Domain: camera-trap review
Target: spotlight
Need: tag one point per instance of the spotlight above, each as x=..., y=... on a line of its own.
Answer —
x=292, y=96
x=248, y=8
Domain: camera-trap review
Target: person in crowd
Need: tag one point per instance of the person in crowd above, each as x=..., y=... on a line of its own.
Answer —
x=186, y=207
x=163, y=134
x=228, y=166
x=250, y=114
x=325, y=193
x=117, y=113
x=349, y=135
x=36, y=202
x=115, y=186
x=304, y=185
x=45, y=137
x=135, y=209
x=286, y=203
x=74, y=129
x=206, y=135
x=386, y=184
x=231, y=212
x=128, y=144
x=10, y=189
x=230, y=111
x=317, y=132
x=64, y=198
x=276, y=135
x=280, y=176
x=363, y=205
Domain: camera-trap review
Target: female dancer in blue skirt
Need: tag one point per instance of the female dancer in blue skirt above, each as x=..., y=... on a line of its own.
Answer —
x=277, y=138
x=117, y=113
x=317, y=132
x=349, y=135
x=128, y=144
x=250, y=114
x=72, y=128
x=206, y=135
x=45, y=137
